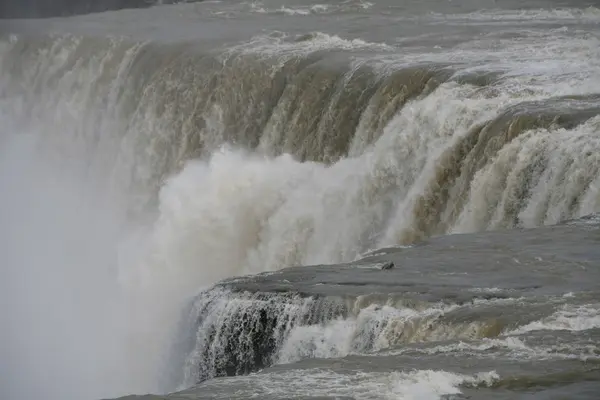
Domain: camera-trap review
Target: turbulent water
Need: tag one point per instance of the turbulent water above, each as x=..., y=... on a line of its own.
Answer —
x=430, y=170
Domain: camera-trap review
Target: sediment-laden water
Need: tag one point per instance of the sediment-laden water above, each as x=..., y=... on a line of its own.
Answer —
x=301, y=200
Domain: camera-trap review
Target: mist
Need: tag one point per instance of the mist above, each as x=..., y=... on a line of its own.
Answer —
x=63, y=324
x=90, y=299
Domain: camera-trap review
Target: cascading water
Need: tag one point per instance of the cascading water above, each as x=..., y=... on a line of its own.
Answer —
x=135, y=174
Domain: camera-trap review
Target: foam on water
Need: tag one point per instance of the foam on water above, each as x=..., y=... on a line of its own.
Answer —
x=313, y=9
x=511, y=347
x=484, y=345
x=538, y=16
x=569, y=318
x=282, y=45
x=535, y=62
x=418, y=384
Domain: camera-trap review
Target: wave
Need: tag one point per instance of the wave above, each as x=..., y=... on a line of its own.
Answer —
x=589, y=14
x=569, y=318
x=293, y=10
x=511, y=347
x=428, y=384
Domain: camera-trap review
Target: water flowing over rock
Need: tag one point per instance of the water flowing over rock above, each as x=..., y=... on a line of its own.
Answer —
x=286, y=198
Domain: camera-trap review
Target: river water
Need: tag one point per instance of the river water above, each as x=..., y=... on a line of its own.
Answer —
x=300, y=199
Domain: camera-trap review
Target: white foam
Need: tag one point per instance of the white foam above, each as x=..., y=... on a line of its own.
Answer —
x=381, y=252
x=506, y=347
x=536, y=16
x=414, y=385
x=313, y=9
x=467, y=347
x=543, y=62
x=283, y=45
x=492, y=290
x=568, y=317
x=590, y=220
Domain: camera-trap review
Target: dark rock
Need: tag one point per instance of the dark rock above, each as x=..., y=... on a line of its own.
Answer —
x=387, y=265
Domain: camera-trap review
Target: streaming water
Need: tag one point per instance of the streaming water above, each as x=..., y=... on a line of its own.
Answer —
x=149, y=154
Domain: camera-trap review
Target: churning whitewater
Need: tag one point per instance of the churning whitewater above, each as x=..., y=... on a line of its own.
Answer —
x=284, y=199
